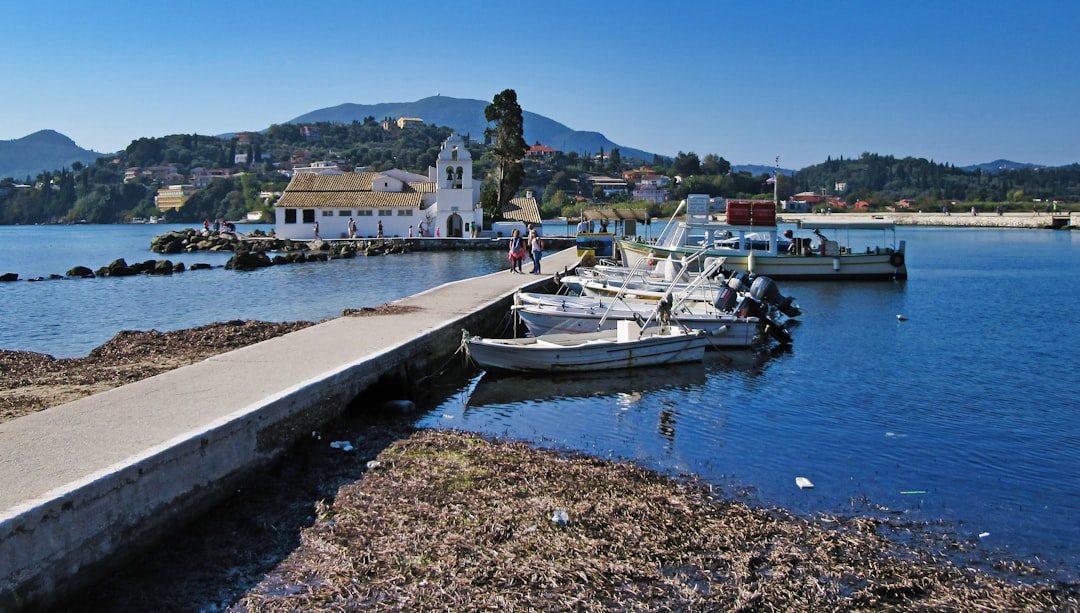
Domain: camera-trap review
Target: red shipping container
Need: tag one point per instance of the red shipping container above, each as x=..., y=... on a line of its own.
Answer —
x=763, y=214
x=738, y=213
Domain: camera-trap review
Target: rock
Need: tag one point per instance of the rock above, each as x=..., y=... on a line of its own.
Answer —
x=8, y=277
x=118, y=268
x=248, y=261
x=81, y=272
x=162, y=267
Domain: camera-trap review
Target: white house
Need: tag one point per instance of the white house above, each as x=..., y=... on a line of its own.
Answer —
x=442, y=203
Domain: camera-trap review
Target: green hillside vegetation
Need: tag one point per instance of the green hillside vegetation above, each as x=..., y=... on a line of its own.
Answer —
x=883, y=180
x=97, y=193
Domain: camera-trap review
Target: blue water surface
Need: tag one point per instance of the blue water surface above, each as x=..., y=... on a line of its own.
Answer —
x=964, y=415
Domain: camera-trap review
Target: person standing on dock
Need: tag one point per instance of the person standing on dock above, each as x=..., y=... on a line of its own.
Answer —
x=517, y=252
x=316, y=229
x=352, y=228
x=536, y=249
x=379, y=235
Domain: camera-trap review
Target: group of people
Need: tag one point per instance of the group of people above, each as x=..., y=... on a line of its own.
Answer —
x=352, y=229
x=219, y=225
x=532, y=245
x=585, y=226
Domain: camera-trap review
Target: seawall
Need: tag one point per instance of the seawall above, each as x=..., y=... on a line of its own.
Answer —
x=1064, y=220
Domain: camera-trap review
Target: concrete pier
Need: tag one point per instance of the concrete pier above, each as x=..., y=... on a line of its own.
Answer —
x=87, y=484
x=959, y=219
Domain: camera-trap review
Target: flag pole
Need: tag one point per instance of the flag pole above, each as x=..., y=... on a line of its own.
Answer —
x=776, y=184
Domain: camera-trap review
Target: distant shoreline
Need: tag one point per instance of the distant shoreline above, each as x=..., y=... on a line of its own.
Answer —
x=1041, y=221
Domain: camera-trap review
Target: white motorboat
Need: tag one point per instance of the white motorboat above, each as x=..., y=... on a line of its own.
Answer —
x=745, y=325
x=751, y=243
x=625, y=347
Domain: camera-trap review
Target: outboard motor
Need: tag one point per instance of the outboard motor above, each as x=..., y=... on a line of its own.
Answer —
x=729, y=296
x=750, y=307
x=740, y=279
x=766, y=289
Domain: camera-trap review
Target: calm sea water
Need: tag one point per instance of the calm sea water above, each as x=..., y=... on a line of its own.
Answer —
x=964, y=415
x=70, y=317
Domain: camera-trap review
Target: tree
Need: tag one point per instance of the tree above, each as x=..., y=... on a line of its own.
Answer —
x=615, y=164
x=508, y=150
x=686, y=164
x=715, y=165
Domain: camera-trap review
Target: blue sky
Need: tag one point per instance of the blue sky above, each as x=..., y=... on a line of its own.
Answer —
x=953, y=81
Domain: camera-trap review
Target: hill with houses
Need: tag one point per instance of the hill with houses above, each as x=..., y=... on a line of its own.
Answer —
x=466, y=116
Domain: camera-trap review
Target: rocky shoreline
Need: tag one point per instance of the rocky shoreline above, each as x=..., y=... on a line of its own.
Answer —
x=454, y=521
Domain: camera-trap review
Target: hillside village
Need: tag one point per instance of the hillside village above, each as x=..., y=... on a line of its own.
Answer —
x=242, y=177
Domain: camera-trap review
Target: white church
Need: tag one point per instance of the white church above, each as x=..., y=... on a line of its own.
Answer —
x=400, y=202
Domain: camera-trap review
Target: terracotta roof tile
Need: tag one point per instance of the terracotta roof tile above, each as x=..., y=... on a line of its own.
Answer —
x=522, y=208
x=350, y=190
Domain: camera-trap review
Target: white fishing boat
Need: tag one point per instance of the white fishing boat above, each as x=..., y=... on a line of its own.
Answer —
x=745, y=325
x=750, y=242
x=627, y=346
x=657, y=276
x=724, y=330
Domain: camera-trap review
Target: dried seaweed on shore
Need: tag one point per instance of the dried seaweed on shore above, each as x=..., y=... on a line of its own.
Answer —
x=32, y=381
x=452, y=521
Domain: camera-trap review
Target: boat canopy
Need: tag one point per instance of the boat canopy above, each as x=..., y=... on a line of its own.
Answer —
x=640, y=215
x=877, y=224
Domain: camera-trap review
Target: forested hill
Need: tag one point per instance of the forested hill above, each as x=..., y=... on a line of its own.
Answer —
x=466, y=116
x=876, y=177
x=46, y=150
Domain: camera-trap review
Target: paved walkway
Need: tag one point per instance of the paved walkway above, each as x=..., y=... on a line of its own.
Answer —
x=82, y=481
x=64, y=445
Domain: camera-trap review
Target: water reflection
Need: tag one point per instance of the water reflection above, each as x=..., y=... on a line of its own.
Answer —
x=622, y=386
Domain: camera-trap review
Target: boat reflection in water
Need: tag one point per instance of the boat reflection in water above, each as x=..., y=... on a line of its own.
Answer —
x=622, y=385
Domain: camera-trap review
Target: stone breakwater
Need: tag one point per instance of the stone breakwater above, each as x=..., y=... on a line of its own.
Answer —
x=258, y=250
x=249, y=252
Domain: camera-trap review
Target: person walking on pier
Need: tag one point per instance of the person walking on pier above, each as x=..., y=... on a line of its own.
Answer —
x=352, y=228
x=517, y=252
x=379, y=235
x=536, y=248
x=316, y=229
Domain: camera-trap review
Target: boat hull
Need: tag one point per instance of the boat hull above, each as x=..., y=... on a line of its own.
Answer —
x=726, y=331
x=848, y=266
x=584, y=352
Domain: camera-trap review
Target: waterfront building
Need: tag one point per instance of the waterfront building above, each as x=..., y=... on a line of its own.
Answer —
x=443, y=201
x=173, y=197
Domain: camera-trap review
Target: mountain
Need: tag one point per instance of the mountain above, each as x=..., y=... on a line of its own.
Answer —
x=466, y=116
x=759, y=169
x=999, y=166
x=46, y=150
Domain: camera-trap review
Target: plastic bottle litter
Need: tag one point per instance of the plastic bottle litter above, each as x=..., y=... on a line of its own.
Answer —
x=342, y=445
x=560, y=517
x=374, y=464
